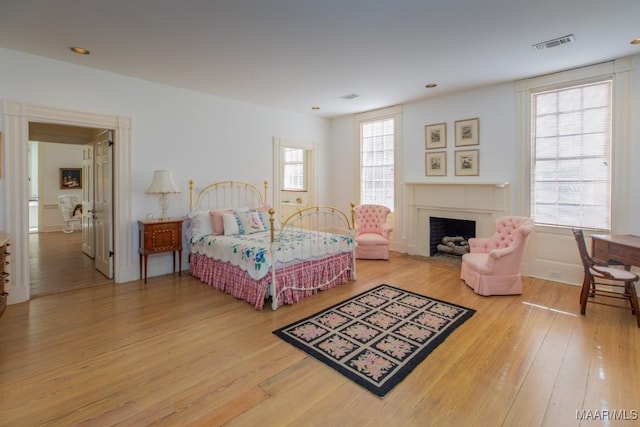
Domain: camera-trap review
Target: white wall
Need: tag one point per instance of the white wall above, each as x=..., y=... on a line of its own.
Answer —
x=495, y=106
x=52, y=157
x=197, y=136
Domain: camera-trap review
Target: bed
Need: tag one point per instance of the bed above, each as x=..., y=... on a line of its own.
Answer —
x=237, y=245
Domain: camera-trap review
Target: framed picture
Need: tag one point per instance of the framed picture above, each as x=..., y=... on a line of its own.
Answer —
x=435, y=136
x=467, y=132
x=70, y=178
x=435, y=163
x=467, y=162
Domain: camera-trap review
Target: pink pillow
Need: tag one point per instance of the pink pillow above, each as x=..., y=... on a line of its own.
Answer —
x=216, y=221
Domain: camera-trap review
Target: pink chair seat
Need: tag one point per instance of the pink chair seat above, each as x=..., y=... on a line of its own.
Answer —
x=493, y=265
x=370, y=239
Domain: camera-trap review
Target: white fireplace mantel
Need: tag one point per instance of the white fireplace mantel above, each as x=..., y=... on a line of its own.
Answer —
x=479, y=202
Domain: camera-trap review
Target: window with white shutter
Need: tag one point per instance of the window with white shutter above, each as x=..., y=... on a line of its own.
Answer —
x=377, y=141
x=571, y=156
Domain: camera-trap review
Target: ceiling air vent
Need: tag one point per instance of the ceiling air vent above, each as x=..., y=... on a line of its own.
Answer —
x=555, y=42
x=350, y=96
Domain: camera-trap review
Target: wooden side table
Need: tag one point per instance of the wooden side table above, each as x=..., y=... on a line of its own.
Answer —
x=157, y=236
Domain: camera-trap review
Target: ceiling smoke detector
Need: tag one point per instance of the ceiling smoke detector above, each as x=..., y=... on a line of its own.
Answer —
x=555, y=42
x=350, y=96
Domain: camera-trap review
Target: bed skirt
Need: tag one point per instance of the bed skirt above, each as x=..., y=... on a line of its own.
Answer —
x=293, y=283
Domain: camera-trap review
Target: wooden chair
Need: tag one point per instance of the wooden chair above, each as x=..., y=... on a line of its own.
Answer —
x=595, y=272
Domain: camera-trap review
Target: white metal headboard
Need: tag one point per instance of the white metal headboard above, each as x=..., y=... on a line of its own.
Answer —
x=226, y=194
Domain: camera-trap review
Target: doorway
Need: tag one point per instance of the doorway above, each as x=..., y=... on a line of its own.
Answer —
x=17, y=116
x=63, y=258
x=294, y=168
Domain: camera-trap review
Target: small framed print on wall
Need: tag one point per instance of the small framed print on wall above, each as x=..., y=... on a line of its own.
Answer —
x=467, y=132
x=467, y=162
x=435, y=163
x=70, y=178
x=435, y=136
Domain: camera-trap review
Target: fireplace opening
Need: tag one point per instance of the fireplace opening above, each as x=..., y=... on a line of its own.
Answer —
x=449, y=236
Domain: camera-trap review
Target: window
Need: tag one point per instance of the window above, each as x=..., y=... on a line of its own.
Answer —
x=571, y=155
x=377, y=141
x=294, y=169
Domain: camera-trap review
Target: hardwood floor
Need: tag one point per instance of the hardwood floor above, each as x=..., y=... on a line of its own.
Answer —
x=57, y=264
x=176, y=352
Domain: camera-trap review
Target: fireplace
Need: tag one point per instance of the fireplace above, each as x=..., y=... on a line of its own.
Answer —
x=480, y=203
x=449, y=235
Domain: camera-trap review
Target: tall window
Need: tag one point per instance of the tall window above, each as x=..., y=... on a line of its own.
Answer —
x=571, y=156
x=377, y=162
x=294, y=169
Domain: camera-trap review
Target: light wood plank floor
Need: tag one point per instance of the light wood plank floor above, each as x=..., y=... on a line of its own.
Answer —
x=175, y=352
x=57, y=264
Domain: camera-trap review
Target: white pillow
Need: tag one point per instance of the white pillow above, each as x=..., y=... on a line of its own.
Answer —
x=230, y=224
x=265, y=220
x=200, y=224
x=249, y=222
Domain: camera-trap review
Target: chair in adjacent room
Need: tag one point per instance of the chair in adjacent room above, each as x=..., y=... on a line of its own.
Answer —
x=601, y=280
x=372, y=231
x=492, y=267
x=67, y=204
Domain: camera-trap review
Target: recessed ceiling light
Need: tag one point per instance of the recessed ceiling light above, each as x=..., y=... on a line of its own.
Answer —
x=431, y=85
x=635, y=41
x=79, y=50
x=315, y=107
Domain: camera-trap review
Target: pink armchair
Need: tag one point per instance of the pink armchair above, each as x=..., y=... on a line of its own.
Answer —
x=372, y=231
x=493, y=265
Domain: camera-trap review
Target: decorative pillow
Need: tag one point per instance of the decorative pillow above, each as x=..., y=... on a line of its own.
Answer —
x=230, y=224
x=249, y=222
x=200, y=224
x=216, y=220
x=264, y=216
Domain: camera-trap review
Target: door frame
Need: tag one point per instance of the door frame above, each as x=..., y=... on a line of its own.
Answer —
x=16, y=118
x=279, y=144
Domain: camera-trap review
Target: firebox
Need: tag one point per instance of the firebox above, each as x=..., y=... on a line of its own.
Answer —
x=449, y=232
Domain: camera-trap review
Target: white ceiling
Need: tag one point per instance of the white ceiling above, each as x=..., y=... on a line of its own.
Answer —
x=294, y=54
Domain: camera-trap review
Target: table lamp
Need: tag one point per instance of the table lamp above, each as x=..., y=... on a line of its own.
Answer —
x=163, y=184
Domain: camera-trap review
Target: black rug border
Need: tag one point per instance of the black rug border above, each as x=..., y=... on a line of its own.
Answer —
x=405, y=370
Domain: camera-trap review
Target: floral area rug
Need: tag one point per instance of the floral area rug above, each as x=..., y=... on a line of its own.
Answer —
x=378, y=337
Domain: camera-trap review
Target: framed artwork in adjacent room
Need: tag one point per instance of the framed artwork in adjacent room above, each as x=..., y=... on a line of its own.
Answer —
x=467, y=162
x=435, y=163
x=435, y=136
x=70, y=178
x=467, y=132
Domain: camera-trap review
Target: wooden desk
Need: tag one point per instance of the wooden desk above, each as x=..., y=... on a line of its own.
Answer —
x=157, y=236
x=622, y=248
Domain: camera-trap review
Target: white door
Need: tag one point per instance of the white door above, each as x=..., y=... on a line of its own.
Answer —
x=303, y=164
x=88, y=232
x=103, y=205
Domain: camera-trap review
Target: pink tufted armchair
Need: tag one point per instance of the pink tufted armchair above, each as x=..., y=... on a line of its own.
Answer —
x=372, y=231
x=493, y=265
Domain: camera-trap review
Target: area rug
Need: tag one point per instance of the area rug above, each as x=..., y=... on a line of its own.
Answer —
x=377, y=337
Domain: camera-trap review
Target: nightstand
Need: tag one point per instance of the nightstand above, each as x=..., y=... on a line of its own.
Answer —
x=157, y=236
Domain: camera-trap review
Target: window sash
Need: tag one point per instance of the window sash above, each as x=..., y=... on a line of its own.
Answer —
x=294, y=169
x=571, y=156
x=377, y=142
